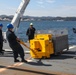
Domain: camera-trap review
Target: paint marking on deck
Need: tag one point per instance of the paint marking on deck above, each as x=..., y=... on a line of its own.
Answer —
x=14, y=65
x=20, y=63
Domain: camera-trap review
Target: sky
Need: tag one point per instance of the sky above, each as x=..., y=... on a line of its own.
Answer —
x=54, y=8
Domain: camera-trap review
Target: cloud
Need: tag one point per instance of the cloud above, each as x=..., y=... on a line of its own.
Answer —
x=45, y=1
x=65, y=10
x=69, y=7
x=42, y=3
x=7, y=9
x=50, y=1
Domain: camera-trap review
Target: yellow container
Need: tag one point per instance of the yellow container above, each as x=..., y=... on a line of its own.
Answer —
x=43, y=36
x=51, y=48
x=35, y=45
x=42, y=48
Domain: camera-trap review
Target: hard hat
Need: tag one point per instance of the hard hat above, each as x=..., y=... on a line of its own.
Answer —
x=31, y=24
x=10, y=26
x=1, y=25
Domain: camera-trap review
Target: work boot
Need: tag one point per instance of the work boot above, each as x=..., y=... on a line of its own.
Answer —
x=23, y=61
x=16, y=60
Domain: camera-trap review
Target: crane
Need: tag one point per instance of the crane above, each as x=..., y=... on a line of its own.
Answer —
x=19, y=13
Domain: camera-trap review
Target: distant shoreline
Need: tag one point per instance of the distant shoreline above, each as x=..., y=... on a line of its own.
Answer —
x=44, y=18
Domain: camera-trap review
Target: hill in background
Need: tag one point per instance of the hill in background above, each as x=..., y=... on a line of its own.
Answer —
x=43, y=18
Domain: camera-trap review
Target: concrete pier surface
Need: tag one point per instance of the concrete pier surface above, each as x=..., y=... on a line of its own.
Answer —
x=63, y=64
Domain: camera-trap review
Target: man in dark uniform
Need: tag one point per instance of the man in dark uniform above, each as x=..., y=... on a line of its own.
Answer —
x=14, y=44
x=1, y=40
x=30, y=32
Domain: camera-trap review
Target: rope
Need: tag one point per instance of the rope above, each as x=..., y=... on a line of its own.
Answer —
x=21, y=42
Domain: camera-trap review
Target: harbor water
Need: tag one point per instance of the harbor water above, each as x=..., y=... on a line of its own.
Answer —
x=45, y=25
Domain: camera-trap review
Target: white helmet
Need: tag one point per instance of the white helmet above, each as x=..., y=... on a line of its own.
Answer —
x=31, y=24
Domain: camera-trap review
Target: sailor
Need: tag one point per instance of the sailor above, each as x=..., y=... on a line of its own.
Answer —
x=14, y=44
x=74, y=30
x=1, y=40
x=30, y=32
